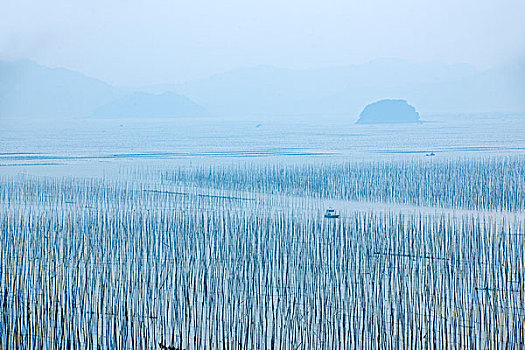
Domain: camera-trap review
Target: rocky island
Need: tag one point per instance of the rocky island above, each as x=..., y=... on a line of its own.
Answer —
x=389, y=111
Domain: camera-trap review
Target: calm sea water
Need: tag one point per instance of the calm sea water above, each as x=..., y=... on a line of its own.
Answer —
x=89, y=145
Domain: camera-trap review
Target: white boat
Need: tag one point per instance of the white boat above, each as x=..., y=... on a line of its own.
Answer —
x=331, y=214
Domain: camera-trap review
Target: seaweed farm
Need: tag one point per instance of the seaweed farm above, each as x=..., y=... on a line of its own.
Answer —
x=424, y=255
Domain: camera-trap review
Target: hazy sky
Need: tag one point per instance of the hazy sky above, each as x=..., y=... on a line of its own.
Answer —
x=138, y=42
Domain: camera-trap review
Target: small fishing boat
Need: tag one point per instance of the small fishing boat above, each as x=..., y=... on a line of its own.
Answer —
x=331, y=214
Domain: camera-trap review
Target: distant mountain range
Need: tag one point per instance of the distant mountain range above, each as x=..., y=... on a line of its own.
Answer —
x=29, y=89
x=141, y=104
x=431, y=88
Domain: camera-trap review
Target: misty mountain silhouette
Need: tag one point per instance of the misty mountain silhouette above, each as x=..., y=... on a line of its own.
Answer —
x=140, y=104
x=388, y=111
x=434, y=88
x=29, y=89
